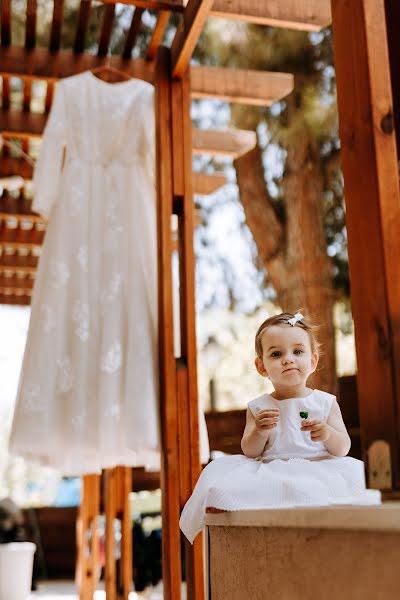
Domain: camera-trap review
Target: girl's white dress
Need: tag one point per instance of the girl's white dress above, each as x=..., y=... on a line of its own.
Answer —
x=88, y=393
x=292, y=470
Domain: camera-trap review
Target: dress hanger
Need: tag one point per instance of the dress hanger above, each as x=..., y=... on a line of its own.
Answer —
x=109, y=73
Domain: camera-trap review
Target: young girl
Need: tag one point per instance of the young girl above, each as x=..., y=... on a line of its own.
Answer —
x=295, y=441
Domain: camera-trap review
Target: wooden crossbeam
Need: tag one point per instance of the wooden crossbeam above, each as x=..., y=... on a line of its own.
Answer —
x=158, y=34
x=207, y=183
x=203, y=183
x=230, y=142
x=30, y=30
x=133, y=33
x=5, y=27
x=259, y=88
x=307, y=15
x=106, y=30
x=175, y=5
x=42, y=64
x=187, y=34
x=83, y=20
x=56, y=25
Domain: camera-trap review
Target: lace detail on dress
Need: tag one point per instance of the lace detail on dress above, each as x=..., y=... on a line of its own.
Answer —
x=82, y=257
x=112, y=360
x=78, y=422
x=33, y=399
x=49, y=321
x=59, y=273
x=76, y=201
x=111, y=292
x=65, y=378
x=80, y=316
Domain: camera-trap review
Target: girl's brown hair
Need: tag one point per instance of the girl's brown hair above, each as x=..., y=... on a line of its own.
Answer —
x=283, y=319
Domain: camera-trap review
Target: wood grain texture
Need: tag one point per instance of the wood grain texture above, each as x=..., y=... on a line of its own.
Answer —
x=168, y=393
x=306, y=15
x=187, y=34
x=294, y=564
x=369, y=159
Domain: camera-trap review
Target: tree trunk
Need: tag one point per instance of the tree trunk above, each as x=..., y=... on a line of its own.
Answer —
x=294, y=252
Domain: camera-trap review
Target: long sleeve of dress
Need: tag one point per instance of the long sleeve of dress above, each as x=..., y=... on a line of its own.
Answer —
x=48, y=166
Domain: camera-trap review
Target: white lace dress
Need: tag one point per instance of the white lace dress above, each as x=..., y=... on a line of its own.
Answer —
x=87, y=397
x=291, y=471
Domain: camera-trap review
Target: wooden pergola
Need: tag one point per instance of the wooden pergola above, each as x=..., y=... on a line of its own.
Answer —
x=367, y=65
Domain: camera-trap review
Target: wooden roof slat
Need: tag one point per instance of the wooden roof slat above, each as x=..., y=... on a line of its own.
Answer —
x=133, y=33
x=56, y=25
x=22, y=217
x=158, y=34
x=27, y=95
x=30, y=29
x=228, y=142
x=10, y=166
x=172, y=5
x=49, y=96
x=83, y=20
x=207, y=183
x=18, y=269
x=106, y=30
x=5, y=94
x=187, y=34
x=40, y=63
x=260, y=88
x=5, y=28
x=307, y=15
x=233, y=142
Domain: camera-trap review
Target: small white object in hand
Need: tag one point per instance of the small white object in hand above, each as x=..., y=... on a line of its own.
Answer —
x=297, y=317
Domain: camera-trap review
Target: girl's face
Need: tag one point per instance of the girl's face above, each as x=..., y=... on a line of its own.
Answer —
x=287, y=356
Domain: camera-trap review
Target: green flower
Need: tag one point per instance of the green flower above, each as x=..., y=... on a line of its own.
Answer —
x=304, y=414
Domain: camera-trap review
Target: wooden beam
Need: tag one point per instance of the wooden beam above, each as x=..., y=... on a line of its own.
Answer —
x=5, y=27
x=83, y=21
x=171, y=543
x=259, y=88
x=187, y=34
x=158, y=34
x=133, y=33
x=87, y=537
x=371, y=179
x=42, y=64
x=306, y=15
x=30, y=29
x=56, y=25
x=203, y=183
x=230, y=142
x=175, y=5
x=186, y=365
x=207, y=183
x=106, y=30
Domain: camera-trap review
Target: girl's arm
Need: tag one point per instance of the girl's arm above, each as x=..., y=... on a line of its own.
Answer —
x=338, y=442
x=256, y=432
x=333, y=433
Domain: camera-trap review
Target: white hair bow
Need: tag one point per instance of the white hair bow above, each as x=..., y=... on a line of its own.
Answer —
x=297, y=317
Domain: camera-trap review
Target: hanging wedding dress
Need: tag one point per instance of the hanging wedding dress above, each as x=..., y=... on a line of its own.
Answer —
x=88, y=392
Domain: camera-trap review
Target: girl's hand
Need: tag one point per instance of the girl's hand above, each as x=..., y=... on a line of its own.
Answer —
x=320, y=432
x=267, y=419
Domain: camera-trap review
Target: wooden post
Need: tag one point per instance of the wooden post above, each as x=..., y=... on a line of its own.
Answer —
x=188, y=415
x=118, y=571
x=370, y=168
x=168, y=395
x=180, y=433
x=87, y=565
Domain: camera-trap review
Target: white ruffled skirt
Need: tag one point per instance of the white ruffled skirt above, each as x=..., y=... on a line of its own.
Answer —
x=240, y=483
